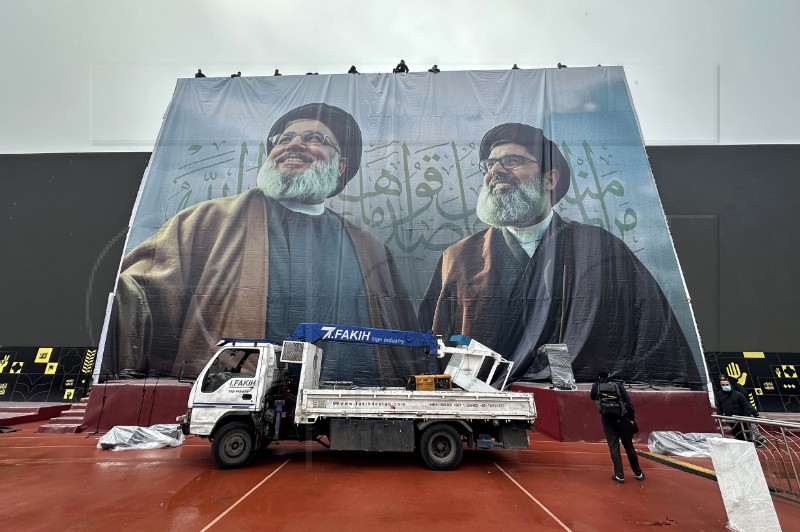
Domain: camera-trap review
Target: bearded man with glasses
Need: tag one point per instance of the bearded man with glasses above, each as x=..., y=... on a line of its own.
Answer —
x=257, y=264
x=533, y=278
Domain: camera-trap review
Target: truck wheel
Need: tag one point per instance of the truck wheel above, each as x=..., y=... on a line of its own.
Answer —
x=441, y=447
x=234, y=445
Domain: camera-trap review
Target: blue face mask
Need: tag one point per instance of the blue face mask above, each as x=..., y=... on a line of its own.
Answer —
x=726, y=388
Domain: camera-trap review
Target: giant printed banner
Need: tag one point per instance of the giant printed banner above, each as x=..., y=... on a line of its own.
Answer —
x=515, y=207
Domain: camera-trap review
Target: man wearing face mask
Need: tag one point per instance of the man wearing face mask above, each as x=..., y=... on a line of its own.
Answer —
x=257, y=264
x=733, y=403
x=533, y=278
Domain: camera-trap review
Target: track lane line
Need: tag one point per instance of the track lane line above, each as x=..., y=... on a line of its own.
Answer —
x=243, y=497
x=534, y=499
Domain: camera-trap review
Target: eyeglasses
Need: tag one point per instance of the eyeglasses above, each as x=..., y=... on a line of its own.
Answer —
x=313, y=138
x=509, y=162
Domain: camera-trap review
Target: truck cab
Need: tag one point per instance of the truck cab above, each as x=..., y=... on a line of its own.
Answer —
x=237, y=388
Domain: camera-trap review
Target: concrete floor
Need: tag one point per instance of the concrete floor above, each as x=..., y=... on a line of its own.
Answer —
x=63, y=482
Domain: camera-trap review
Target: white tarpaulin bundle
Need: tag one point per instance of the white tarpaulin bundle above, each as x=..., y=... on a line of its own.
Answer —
x=125, y=437
x=691, y=444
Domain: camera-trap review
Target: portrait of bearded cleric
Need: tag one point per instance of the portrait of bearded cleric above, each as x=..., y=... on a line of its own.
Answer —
x=256, y=264
x=532, y=278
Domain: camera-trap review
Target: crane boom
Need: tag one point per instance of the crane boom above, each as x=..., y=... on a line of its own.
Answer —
x=312, y=332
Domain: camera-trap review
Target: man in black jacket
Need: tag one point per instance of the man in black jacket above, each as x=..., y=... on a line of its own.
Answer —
x=617, y=415
x=401, y=68
x=731, y=402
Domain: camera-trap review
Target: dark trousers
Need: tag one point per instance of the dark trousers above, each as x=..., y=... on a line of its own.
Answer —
x=739, y=432
x=619, y=429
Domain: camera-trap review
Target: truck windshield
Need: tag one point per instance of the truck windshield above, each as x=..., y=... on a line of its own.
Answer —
x=229, y=364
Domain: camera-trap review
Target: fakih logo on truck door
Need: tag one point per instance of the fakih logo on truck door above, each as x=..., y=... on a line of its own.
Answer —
x=242, y=383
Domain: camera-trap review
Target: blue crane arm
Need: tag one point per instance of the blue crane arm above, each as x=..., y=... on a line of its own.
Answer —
x=311, y=332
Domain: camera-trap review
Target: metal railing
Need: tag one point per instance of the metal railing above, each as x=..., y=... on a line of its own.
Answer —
x=778, y=446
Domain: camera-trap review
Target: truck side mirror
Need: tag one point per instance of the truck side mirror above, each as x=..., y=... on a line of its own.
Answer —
x=182, y=371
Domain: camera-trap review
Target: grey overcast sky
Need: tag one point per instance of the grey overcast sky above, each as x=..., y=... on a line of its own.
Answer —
x=97, y=75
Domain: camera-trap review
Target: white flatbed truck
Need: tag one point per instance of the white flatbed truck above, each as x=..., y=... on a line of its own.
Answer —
x=247, y=397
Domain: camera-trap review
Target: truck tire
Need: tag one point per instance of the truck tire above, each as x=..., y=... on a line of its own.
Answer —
x=234, y=445
x=441, y=447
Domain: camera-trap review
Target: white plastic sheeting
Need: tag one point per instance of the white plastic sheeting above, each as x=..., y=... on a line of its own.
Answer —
x=560, y=362
x=690, y=445
x=743, y=486
x=126, y=437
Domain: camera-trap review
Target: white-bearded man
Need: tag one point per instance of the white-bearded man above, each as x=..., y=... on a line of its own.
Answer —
x=533, y=278
x=257, y=264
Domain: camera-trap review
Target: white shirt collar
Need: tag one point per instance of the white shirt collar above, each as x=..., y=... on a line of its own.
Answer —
x=529, y=237
x=312, y=209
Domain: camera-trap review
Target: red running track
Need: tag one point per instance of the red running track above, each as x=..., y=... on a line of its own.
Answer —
x=63, y=482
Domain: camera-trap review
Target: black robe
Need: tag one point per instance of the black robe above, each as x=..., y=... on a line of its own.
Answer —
x=332, y=293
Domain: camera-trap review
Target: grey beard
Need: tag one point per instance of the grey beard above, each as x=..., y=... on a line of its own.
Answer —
x=521, y=208
x=315, y=184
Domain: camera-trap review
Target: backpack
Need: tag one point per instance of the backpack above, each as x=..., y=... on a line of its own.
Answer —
x=610, y=400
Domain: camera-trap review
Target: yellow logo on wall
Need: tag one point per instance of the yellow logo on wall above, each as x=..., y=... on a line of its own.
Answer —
x=69, y=394
x=88, y=360
x=51, y=368
x=16, y=367
x=43, y=355
x=735, y=372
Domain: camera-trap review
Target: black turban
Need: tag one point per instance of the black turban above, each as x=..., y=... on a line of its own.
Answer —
x=545, y=150
x=341, y=123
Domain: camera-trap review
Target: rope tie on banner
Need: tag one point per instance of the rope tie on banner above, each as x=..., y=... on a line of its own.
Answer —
x=563, y=303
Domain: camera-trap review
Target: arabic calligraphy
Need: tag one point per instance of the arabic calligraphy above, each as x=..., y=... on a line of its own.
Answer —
x=411, y=197
x=591, y=182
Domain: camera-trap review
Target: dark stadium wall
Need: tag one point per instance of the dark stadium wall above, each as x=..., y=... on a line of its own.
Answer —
x=733, y=221
x=64, y=222
x=730, y=210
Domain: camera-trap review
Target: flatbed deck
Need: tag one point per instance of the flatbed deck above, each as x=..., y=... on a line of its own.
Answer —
x=398, y=403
